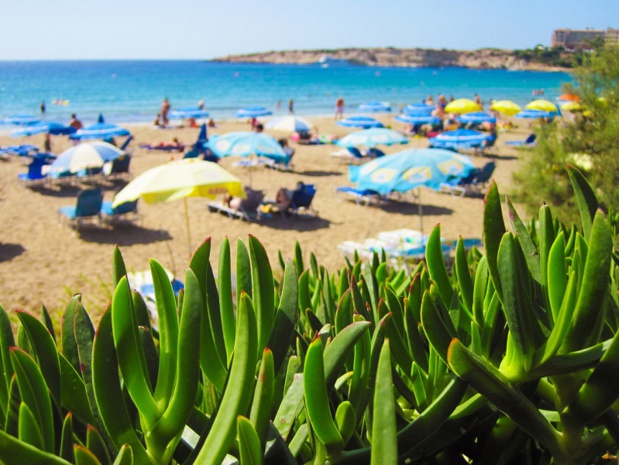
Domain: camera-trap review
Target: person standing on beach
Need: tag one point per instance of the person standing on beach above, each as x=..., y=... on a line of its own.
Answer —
x=42, y=107
x=291, y=107
x=478, y=101
x=47, y=145
x=75, y=123
x=165, y=109
x=339, y=108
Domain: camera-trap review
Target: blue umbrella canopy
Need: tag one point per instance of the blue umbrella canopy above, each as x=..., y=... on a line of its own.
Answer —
x=56, y=129
x=245, y=143
x=100, y=130
x=360, y=122
x=84, y=156
x=252, y=112
x=372, y=138
x=21, y=120
x=375, y=107
x=476, y=117
x=460, y=138
x=420, y=119
x=418, y=109
x=406, y=170
x=535, y=114
x=184, y=113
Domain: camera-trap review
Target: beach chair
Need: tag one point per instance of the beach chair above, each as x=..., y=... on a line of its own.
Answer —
x=375, y=153
x=361, y=196
x=87, y=208
x=35, y=175
x=118, y=168
x=247, y=209
x=349, y=154
x=301, y=201
x=125, y=212
x=473, y=183
x=528, y=142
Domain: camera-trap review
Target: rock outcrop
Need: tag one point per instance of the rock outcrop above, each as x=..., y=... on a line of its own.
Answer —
x=487, y=58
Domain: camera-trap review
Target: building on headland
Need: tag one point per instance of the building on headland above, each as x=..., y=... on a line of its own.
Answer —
x=578, y=39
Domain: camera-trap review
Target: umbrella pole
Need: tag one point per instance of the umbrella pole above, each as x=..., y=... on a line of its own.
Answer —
x=420, y=212
x=187, y=225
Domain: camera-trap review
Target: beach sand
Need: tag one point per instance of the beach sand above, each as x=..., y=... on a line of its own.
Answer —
x=44, y=262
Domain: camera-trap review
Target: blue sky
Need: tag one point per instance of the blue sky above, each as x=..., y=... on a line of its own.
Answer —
x=179, y=29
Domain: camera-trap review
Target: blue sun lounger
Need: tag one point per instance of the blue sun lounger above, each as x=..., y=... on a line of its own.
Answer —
x=87, y=207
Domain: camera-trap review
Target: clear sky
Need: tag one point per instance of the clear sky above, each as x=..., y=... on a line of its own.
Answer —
x=179, y=29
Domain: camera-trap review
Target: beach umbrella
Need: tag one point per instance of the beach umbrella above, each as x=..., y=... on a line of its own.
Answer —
x=252, y=112
x=360, y=122
x=85, y=156
x=56, y=129
x=100, y=130
x=572, y=106
x=289, y=123
x=461, y=106
x=476, y=117
x=418, y=109
x=419, y=119
x=375, y=107
x=505, y=107
x=178, y=180
x=373, y=137
x=569, y=98
x=460, y=138
x=184, y=113
x=536, y=114
x=21, y=120
x=542, y=105
x=409, y=169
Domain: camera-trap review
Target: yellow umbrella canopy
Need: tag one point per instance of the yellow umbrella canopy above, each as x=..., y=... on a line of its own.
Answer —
x=178, y=180
x=571, y=106
x=542, y=105
x=461, y=106
x=506, y=107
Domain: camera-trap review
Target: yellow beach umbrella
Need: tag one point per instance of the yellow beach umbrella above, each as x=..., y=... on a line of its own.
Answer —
x=178, y=180
x=506, y=107
x=542, y=105
x=461, y=106
x=571, y=106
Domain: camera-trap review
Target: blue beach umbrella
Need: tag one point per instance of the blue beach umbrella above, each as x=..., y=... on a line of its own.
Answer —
x=364, y=122
x=460, y=138
x=289, y=123
x=245, y=144
x=476, y=117
x=85, y=156
x=418, y=109
x=375, y=107
x=535, y=114
x=252, y=112
x=56, y=129
x=100, y=130
x=184, y=113
x=409, y=169
x=21, y=120
x=420, y=119
x=372, y=137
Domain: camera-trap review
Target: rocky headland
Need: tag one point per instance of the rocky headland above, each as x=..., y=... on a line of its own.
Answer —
x=487, y=58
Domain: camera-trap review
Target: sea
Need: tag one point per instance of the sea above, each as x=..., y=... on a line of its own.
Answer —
x=132, y=91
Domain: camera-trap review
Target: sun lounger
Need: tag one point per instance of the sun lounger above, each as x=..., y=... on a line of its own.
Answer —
x=473, y=183
x=87, y=207
x=349, y=154
x=361, y=196
x=35, y=175
x=118, y=168
x=245, y=209
x=301, y=200
x=528, y=142
x=164, y=147
x=127, y=211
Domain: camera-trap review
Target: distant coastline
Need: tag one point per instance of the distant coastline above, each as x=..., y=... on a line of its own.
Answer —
x=486, y=58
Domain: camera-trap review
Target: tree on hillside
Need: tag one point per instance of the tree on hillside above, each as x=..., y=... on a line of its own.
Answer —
x=590, y=140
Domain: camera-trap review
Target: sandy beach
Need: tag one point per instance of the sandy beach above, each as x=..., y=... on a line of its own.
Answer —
x=44, y=262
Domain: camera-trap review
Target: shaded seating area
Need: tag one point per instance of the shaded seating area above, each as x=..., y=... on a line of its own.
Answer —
x=473, y=183
x=247, y=209
x=87, y=208
x=301, y=200
x=118, y=168
x=34, y=175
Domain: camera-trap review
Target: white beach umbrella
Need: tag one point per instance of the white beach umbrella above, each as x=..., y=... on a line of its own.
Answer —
x=289, y=123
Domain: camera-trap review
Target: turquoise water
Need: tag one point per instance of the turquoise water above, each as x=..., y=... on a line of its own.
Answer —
x=131, y=91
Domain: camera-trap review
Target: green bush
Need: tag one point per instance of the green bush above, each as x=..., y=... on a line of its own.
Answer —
x=512, y=357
